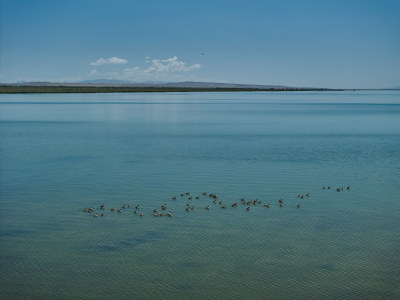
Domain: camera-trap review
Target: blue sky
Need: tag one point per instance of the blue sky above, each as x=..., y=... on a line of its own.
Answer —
x=334, y=44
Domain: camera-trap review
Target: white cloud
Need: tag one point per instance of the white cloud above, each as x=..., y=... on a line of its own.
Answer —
x=93, y=73
x=171, y=64
x=106, y=61
x=170, y=69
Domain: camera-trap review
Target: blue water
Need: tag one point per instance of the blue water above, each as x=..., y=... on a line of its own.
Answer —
x=62, y=153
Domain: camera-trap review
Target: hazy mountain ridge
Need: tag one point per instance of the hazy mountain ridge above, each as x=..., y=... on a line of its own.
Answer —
x=120, y=83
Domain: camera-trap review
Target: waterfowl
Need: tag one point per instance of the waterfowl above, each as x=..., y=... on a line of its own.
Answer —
x=348, y=188
x=112, y=209
x=169, y=214
x=329, y=187
x=124, y=206
x=103, y=214
x=135, y=211
x=102, y=206
x=187, y=208
x=223, y=206
x=141, y=215
x=266, y=205
x=234, y=204
x=187, y=193
x=182, y=195
x=95, y=216
x=220, y=202
x=302, y=197
x=280, y=201
x=129, y=206
x=308, y=195
x=174, y=198
x=119, y=211
x=207, y=207
x=204, y=193
x=192, y=208
x=197, y=197
x=298, y=205
x=190, y=198
x=214, y=201
x=164, y=207
x=137, y=207
x=323, y=187
x=248, y=208
x=156, y=210
x=338, y=189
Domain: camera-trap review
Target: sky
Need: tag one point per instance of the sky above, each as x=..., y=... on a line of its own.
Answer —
x=308, y=43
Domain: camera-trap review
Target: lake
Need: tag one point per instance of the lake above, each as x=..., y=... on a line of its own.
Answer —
x=64, y=153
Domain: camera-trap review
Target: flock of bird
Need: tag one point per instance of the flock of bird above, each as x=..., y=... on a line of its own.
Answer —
x=159, y=212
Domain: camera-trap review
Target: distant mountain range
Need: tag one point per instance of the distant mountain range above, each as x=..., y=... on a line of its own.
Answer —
x=162, y=84
x=119, y=83
x=105, y=81
x=119, y=86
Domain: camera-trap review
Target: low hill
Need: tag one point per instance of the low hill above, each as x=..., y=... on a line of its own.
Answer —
x=116, y=86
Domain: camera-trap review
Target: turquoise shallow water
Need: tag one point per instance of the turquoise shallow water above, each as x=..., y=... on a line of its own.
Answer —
x=63, y=153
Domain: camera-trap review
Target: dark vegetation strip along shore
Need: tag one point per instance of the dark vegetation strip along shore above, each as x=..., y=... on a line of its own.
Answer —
x=8, y=89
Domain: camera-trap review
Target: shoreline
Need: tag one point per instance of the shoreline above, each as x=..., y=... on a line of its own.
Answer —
x=10, y=89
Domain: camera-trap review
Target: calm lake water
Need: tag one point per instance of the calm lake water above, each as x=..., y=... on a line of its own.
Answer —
x=62, y=153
